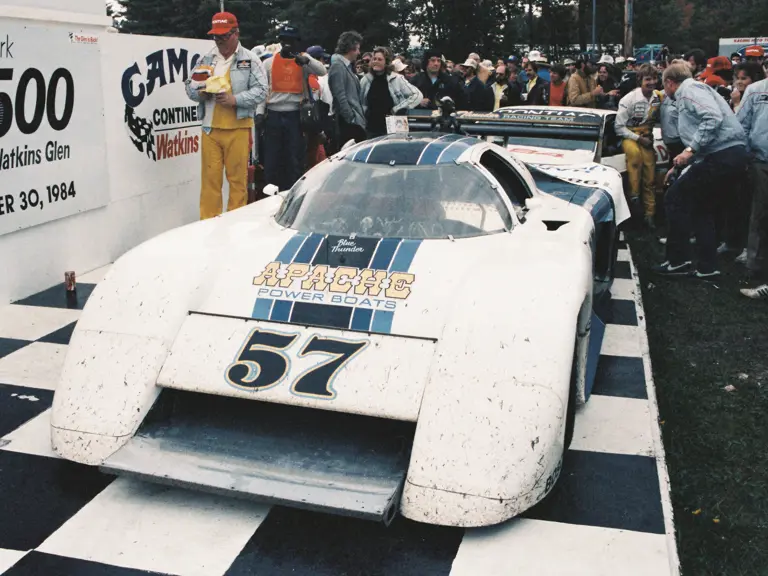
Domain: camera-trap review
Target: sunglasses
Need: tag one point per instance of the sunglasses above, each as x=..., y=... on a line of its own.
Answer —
x=226, y=36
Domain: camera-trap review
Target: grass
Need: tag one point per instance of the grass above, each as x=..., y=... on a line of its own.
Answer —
x=704, y=337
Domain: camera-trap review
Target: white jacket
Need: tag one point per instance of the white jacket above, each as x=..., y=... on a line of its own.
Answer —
x=404, y=94
x=637, y=114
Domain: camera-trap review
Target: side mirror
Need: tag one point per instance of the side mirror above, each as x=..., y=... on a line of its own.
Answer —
x=270, y=190
x=533, y=203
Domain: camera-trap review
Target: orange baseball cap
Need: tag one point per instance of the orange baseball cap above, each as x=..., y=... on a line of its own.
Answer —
x=754, y=51
x=222, y=23
x=714, y=65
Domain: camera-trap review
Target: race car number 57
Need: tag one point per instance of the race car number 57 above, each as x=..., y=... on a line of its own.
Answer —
x=262, y=363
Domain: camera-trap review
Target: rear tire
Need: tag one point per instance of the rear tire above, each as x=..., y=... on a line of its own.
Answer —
x=570, y=413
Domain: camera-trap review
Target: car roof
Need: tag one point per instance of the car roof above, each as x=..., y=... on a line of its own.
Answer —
x=423, y=149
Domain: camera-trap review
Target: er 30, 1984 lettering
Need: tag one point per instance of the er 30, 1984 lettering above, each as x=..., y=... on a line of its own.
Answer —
x=26, y=199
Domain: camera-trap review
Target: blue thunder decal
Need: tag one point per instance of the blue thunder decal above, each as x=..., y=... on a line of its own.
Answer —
x=337, y=282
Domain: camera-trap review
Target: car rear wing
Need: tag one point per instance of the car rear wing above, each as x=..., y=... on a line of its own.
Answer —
x=507, y=122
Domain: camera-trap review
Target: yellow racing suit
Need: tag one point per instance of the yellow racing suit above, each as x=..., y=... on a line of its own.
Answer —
x=636, y=117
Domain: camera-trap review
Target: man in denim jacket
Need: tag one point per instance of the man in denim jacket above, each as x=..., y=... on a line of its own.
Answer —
x=226, y=113
x=715, y=149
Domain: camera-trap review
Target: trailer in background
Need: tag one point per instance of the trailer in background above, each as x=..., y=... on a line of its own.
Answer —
x=730, y=45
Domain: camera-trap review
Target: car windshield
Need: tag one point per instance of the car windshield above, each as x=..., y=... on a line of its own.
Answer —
x=553, y=143
x=341, y=197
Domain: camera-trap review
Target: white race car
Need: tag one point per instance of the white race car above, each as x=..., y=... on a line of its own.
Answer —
x=561, y=136
x=409, y=328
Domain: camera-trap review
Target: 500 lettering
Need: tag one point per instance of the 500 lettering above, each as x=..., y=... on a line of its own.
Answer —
x=31, y=198
x=263, y=363
x=44, y=102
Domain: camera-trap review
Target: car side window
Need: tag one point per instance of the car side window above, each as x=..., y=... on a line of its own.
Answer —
x=611, y=140
x=507, y=176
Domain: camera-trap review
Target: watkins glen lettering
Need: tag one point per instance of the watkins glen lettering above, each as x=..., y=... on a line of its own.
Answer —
x=18, y=157
x=163, y=135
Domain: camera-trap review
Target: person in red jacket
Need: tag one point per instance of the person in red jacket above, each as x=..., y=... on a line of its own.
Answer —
x=558, y=95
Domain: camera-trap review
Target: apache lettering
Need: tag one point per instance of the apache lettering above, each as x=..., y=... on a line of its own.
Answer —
x=179, y=145
x=19, y=158
x=342, y=280
x=163, y=67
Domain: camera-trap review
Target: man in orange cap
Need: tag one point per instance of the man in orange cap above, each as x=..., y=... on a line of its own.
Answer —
x=226, y=113
x=755, y=53
x=717, y=71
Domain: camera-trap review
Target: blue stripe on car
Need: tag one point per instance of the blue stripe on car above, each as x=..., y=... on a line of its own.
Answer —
x=308, y=249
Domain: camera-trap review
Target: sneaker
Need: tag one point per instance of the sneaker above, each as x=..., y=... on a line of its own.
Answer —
x=723, y=248
x=742, y=258
x=759, y=293
x=663, y=241
x=707, y=275
x=667, y=269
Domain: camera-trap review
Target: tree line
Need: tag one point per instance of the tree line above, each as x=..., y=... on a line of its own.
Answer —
x=457, y=27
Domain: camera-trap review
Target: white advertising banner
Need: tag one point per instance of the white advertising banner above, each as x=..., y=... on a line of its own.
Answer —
x=153, y=130
x=52, y=153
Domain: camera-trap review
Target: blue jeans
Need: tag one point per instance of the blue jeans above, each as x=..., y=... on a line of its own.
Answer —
x=691, y=203
x=284, y=149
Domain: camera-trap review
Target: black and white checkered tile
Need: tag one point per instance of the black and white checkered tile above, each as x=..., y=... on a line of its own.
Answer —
x=608, y=515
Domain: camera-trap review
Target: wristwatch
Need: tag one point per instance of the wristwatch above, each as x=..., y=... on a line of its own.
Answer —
x=689, y=149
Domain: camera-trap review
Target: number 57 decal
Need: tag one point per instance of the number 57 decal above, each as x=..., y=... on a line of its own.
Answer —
x=262, y=363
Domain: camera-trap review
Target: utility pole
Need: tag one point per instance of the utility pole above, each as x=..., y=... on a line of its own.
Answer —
x=628, y=22
x=221, y=5
x=594, y=24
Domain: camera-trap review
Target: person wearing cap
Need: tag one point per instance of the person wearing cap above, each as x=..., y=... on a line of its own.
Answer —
x=716, y=156
x=385, y=93
x=288, y=74
x=346, y=90
x=753, y=117
x=435, y=84
x=476, y=90
x=755, y=53
x=605, y=59
x=638, y=114
x=631, y=63
x=513, y=69
x=570, y=69
x=735, y=59
x=582, y=87
x=227, y=116
x=718, y=72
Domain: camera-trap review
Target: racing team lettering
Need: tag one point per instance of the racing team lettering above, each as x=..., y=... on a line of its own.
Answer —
x=341, y=280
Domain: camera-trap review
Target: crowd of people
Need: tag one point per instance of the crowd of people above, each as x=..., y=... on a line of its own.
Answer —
x=305, y=104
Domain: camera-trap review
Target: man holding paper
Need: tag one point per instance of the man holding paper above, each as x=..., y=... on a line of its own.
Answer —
x=228, y=83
